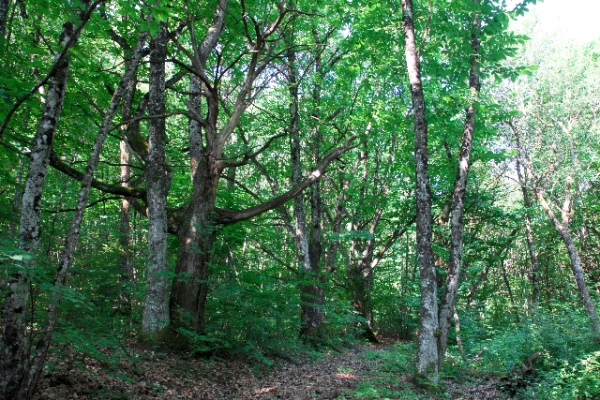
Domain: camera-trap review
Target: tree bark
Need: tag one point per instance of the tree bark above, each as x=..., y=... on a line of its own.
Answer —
x=311, y=294
x=41, y=349
x=563, y=230
x=124, y=261
x=448, y=302
x=14, y=336
x=197, y=231
x=427, y=347
x=3, y=17
x=158, y=180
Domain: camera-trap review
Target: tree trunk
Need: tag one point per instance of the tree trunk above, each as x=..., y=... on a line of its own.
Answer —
x=197, y=233
x=124, y=261
x=308, y=241
x=41, y=349
x=14, y=336
x=534, y=271
x=448, y=302
x=3, y=17
x=562, y=227
x=563, y=230
x=427, y=347
x=158, y=180
x=311, y=297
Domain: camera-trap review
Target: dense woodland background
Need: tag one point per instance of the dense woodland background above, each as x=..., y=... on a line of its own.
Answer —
x=238, y=178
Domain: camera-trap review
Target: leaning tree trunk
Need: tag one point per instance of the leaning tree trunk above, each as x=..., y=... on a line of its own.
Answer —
x=14, y=353
x=41, y=349
x=563, y=230
x=448, y=302
x=427, y=347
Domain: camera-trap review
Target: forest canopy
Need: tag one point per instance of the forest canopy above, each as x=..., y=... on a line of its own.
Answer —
x=263, y=178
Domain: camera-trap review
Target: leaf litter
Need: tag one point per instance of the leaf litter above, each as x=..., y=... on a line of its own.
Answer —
x=160, y=375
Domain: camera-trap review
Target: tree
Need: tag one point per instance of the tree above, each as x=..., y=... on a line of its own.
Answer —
x=158, y=180
x=14, y=337
x=427, y=349
x=555, y=118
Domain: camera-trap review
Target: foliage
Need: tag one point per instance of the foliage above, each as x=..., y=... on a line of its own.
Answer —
x=579, y=380
x=352, y=81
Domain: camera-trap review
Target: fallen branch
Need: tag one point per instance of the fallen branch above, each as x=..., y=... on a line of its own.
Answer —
x=478, y=356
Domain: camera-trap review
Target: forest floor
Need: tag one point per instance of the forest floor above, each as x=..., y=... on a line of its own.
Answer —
x=361, y=372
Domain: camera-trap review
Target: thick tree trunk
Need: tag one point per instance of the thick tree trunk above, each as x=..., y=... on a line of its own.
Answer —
x=427, y=347
x=14, y=354
x=197, y=233
x=361, y=281
x=196, y=241
x=158, y=180
x=448, y=302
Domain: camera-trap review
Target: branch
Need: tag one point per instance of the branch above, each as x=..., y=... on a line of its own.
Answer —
x=57, y=62
x=61, y=166
x=396, y=235
x=233, y=216
x=248, y=157
x=87, y=206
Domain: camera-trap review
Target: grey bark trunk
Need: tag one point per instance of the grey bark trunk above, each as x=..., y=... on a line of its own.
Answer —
x=427, y=347
x=41, y=349
x=562, y=227
x=14, y=336
x=124, y=261
x=158, y=179
x=311, y=317
x=448, y=302
x=563, y=230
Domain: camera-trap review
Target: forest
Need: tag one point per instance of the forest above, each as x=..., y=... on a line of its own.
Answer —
x=213, y=199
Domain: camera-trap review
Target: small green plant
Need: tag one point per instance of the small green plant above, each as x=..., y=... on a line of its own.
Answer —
x=580, y=381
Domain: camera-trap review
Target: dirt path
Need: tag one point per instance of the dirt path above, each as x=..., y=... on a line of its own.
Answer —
x=164, y=376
